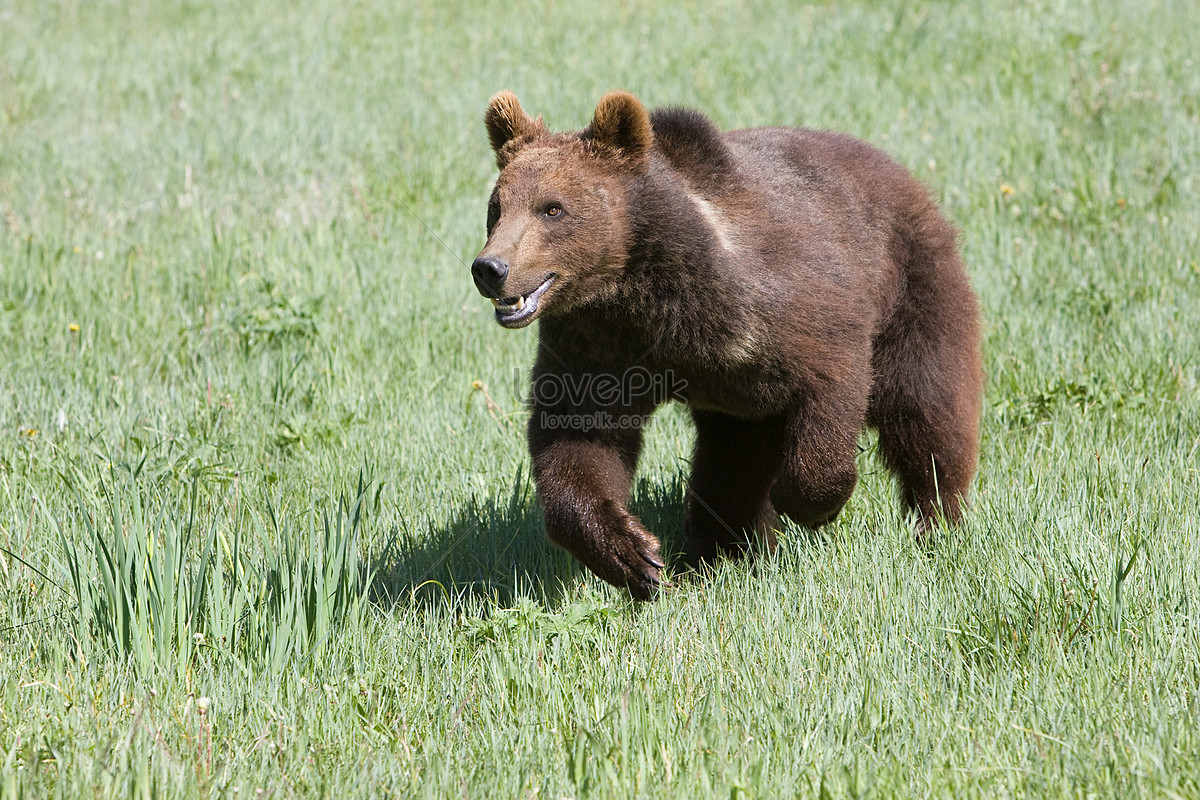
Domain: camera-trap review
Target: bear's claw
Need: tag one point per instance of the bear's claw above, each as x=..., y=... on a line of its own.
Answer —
x=631, y=559
x=639, y=562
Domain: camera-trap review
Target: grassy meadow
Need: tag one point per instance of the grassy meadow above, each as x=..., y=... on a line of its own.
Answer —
x=266, y=525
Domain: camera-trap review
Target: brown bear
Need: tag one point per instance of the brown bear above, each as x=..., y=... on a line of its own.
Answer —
x=791, y=286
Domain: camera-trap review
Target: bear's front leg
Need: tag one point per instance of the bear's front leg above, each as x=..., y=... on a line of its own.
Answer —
x=583, y=471
x=729, y=504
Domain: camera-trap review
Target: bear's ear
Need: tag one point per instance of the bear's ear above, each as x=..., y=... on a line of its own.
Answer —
x=621, y=123
x=506, y=121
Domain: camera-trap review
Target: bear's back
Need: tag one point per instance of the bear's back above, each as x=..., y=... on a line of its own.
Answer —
x=814, y=172
x=838, y=171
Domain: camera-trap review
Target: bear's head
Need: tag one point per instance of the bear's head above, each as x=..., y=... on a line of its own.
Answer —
x=557, y=223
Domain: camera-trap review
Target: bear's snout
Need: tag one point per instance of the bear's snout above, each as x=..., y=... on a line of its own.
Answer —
x=489, y=273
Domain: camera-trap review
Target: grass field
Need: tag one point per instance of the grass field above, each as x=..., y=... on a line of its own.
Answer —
x=265, y=515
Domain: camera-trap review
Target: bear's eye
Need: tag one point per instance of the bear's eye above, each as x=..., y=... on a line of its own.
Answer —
x=493, y=212
x=553, y=210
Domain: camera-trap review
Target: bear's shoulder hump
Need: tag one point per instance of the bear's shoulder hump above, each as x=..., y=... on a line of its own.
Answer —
x=689, y=140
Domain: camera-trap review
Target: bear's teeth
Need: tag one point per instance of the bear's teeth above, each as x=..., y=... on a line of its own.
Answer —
x=505, y=307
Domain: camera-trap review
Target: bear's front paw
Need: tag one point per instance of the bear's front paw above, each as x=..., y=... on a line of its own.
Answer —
x=635, y=561
x=612, y=543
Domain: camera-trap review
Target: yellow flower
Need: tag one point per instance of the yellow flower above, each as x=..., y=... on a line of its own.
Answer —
x=73, y=327
x=1007, y=190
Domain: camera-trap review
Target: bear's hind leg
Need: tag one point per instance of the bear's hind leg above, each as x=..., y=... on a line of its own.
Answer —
x=932, y=448
x=927, y=397
x=820, y=473
x=729, y=502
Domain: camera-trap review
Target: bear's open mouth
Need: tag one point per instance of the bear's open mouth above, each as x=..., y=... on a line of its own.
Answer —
x=517, y=312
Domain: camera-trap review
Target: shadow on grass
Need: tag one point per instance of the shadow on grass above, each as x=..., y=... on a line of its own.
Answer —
x=496, y=549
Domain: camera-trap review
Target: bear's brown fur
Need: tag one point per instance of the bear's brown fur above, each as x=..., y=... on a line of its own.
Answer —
x=789, y=285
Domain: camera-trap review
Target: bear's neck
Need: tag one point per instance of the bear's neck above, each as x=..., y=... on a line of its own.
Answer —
x=678, y=305
x=680, y=259
x=677, y=240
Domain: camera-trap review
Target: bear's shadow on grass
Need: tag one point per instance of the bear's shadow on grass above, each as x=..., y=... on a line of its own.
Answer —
x=496, y=549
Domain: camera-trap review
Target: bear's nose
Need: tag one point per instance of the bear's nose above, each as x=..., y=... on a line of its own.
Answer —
x=489, y=273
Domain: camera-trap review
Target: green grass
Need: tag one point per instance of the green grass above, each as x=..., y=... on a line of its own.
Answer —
x=265, y=514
